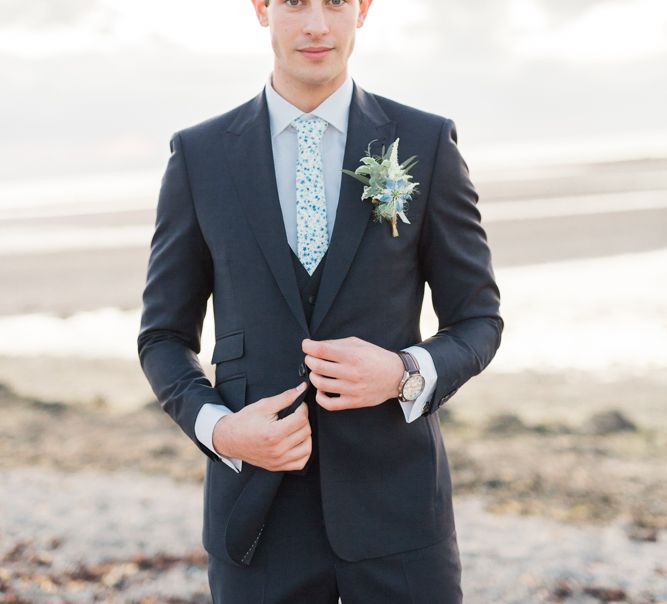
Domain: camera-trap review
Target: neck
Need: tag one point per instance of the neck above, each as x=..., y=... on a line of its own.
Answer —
x=303, y=95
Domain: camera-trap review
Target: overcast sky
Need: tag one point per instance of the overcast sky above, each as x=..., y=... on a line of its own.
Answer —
x=99, y=85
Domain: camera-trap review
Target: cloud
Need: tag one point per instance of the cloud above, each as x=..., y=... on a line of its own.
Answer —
x=43, y=14
x=43, y=28
x=83, y=26
x=503, y=33
x=599, y=31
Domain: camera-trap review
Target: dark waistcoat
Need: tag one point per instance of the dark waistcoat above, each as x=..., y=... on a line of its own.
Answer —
x=308, y=287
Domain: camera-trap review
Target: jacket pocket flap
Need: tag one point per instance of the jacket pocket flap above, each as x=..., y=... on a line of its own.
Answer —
x=229, y=346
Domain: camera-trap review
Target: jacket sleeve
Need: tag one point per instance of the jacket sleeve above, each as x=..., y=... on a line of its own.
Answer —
x=178, y=284
x=456, y=261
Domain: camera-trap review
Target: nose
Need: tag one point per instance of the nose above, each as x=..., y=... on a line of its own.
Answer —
x=316, y=24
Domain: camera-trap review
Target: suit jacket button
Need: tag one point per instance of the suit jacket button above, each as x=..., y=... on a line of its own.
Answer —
x=311, y=299
x=302, y=369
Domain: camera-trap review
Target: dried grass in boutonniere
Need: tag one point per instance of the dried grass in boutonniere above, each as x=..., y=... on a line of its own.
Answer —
x=387, y=183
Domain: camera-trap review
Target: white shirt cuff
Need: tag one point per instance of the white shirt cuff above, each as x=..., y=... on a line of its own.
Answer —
x=414, y=409
x=207, y=417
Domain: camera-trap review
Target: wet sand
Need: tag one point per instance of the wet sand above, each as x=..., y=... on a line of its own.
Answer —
x=543, y=507
x=69, y=281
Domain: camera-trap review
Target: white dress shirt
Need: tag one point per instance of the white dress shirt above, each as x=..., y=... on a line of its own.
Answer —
x=334, y=109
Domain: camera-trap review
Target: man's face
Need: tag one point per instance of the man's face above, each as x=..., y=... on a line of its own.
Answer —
x=312, y=39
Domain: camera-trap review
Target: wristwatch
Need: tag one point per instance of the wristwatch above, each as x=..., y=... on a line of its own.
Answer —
x=413, y=383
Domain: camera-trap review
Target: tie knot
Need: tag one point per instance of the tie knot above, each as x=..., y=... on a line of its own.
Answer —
x=312, y=126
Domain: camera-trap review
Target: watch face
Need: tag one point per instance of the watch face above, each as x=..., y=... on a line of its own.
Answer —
x=413, y=387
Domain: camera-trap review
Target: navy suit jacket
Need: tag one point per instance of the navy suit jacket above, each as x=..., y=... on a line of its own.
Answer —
x=385, y=483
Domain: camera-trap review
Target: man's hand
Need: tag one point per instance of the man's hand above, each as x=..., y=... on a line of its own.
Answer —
x=255, y=433
x=363, y=374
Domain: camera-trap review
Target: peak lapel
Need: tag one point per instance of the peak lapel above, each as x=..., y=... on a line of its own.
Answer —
x=366, y=122
x=250, y=156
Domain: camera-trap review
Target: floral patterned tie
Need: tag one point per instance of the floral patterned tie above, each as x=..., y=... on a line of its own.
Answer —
x=311, y=208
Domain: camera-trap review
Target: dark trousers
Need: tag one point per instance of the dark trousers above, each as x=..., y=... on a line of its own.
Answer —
x=294, y=563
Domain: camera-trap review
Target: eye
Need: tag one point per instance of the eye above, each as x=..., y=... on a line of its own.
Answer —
x=339, y=3
x=292, y=3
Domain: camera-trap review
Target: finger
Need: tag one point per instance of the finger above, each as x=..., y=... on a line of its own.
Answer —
x=332, y=350
x=284, y=399
x=292, y=422
x=339, y=386
x=333, y=403
x=303, y=449
x=302, y=409
x=329, y=368
x=296, y=438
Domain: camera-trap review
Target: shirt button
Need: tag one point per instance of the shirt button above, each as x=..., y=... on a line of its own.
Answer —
x=311, y=299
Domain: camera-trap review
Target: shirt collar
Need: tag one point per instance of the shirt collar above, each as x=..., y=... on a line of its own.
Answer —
x=334, y=109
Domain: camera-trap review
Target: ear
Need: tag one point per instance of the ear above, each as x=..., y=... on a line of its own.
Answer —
x=261, y=10
x=364, y=5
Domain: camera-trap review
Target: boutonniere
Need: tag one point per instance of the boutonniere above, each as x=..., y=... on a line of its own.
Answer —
x=387, y=183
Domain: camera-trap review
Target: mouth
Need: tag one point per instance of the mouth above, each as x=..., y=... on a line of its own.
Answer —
x=316, y=52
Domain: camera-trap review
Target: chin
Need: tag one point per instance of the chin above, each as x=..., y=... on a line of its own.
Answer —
x=319, y=77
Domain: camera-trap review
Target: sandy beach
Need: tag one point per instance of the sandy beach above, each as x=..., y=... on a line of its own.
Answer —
x=557, y=450
x=589, y=502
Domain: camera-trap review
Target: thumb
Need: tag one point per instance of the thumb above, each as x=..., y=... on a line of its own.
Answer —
x=283, y=399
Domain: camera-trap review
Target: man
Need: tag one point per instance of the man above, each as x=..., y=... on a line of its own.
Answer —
x=326, y=473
